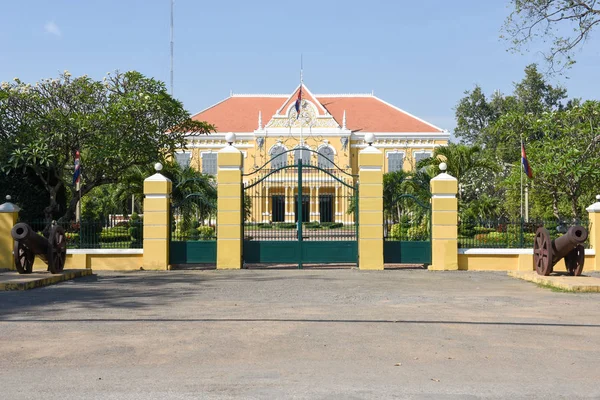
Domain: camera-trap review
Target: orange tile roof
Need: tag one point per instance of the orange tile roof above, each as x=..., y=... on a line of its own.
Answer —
x=370, y=114
x=364, y=113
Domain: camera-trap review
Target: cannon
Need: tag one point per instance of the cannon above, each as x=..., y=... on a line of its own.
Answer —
x=547, y=253
x=28, y=244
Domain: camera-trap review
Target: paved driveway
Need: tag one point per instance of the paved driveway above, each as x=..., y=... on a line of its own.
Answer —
x=310, y=334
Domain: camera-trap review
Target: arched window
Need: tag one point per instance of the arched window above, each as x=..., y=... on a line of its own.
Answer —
x=305, y=155
x=326, y=157
x=278, y=157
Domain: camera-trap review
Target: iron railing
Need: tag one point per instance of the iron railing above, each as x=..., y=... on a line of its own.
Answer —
x=97, y=234
x=327, y=204
x=510, y=233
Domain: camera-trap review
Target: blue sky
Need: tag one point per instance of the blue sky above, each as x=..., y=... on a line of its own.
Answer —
x=420, y=56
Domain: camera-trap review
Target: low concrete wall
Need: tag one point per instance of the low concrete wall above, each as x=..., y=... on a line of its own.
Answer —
x=509, y=260
x=105, y=259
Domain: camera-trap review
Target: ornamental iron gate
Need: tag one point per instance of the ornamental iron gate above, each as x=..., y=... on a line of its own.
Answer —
x=193, y=236
x=301, y=212
x=407, y=230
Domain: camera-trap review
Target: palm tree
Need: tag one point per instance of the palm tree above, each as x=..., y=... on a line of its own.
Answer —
x=461, y=160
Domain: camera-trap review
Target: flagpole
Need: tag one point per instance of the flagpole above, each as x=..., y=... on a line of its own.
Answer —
x=300, y=108
x=521, y=176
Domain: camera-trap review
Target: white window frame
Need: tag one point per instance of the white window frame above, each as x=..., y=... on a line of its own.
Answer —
x=185, y=153
x=319, y=155
x=302, y=148
x=387, y=156
x=429, y=154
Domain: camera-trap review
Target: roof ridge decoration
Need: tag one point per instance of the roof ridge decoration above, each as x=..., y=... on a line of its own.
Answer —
x=312, y=113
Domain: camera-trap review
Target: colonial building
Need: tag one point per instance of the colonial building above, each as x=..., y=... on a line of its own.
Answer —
x=333, y=126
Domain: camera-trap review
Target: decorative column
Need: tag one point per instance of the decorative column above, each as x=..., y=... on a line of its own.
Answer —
x=157, y=198
x=444, y=222
x=229, y=206
x=9, y=213
x=594, y=233
x=370, y=206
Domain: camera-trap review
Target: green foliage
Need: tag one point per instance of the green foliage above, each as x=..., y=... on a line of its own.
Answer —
x=286, y=225
x=126, y=120
x=331, y=225
x=206, y=232
x=264, y=226
x=418, y=233
x=28, y=192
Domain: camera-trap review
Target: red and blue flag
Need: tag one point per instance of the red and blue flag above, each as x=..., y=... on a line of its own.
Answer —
x=526, y=167
x=298, y=102
x=77, y=173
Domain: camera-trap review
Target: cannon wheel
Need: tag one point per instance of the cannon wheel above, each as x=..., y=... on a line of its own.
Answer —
x=57, y=250
x=542, y=252
x=24, y=258
x=574, y=260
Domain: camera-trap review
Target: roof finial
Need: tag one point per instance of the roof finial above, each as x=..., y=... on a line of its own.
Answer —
x=372, y=92
x=230, y=92
x=260, y=125
x=344, y=120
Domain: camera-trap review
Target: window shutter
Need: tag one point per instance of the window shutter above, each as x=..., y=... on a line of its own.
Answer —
x=395, y=161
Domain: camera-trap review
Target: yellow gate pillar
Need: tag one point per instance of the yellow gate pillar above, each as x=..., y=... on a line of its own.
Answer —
x=370, y=206
x=9, y=213
x=444, y=222
x=229, y=206
x=594, y=216
x=157, y=196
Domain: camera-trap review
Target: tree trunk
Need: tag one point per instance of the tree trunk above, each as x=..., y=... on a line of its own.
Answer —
x=574, y=208
x=555, y=206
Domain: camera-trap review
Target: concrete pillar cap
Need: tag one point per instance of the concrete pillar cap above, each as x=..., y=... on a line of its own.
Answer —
x=9, y=207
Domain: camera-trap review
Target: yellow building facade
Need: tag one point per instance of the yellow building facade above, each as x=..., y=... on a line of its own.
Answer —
x=328, y=132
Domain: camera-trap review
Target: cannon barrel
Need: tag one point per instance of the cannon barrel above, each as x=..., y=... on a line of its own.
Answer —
x=563, y=245
x=38, y=244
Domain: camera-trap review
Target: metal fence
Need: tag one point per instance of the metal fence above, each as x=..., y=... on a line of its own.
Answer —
x=98, y=234
x=510, y=234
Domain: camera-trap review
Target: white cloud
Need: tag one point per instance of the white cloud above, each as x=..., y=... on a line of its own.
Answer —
x=52, y=28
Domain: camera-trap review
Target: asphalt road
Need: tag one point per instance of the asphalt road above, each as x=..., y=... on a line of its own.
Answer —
x=310, y=334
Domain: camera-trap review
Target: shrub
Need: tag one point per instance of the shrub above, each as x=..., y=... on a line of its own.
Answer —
x=90, y=234
x=419, y=232
x=332, y=225
x=286, y=225
x=396, y=232
x=312, y=225
x=482, y=229
x=206, y=232
x=265, y=226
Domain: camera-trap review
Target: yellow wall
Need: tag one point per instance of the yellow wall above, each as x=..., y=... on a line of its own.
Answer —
x=98, y=262
x=255, y=157
x=510, y=262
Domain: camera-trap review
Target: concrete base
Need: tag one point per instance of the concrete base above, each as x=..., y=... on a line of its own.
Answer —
x=14, y=281
x=565, y=282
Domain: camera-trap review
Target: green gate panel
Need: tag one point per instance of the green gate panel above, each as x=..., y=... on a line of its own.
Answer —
x=404, y=252
x=193, y=252
x=275, y=251
x=330, y=251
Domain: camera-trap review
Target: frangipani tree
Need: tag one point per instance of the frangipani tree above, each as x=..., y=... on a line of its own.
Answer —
x=122, y=121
